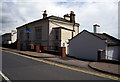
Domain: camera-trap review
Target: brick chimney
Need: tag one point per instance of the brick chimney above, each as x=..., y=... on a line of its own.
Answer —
x=45, y=15
x=95, y=28
x=72, y=17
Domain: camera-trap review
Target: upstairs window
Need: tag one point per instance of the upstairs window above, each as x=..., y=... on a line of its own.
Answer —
x=28, y=36
x=56, y=34
x=38, y=33
x=27, y=31
x=21, y=34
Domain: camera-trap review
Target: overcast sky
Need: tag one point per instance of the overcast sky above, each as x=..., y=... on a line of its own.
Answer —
x=15, y=13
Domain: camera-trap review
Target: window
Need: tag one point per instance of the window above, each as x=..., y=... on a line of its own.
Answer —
x=21, y=34
x=27, y=32
x=56, y=48
x=38, y=33
x=28, y=36
x=56, y=34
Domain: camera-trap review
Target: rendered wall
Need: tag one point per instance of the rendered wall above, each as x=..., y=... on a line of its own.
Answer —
x=86, y=46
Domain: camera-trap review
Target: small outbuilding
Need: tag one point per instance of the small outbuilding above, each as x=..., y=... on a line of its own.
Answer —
x=93, y=46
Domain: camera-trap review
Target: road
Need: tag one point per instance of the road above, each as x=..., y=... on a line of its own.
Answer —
x=17, y=67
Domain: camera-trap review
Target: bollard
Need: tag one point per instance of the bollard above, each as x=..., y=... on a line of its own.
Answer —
x=63, y=51
x=44, y=48
x=38, y=48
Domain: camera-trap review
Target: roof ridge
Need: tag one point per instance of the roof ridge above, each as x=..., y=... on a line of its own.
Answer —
x=110, y=36
x=54, y=17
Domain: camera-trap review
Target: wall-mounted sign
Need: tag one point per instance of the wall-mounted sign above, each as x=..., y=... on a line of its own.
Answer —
x=28, y=31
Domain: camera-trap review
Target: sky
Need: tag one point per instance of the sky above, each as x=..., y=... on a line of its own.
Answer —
x=15, y=13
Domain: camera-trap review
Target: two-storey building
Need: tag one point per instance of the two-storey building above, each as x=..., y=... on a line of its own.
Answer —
x=51, y=31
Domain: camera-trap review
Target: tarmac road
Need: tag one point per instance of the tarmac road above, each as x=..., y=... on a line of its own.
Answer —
x=17, y=67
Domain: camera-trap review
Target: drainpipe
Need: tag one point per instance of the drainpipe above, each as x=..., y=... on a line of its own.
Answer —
x=72, y=20
x=106, y=49
x=73, y=30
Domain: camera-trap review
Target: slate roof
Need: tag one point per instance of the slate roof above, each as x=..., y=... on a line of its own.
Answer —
x=111, y=41
x=50, y=17
x=59, y=18
x=6, y=34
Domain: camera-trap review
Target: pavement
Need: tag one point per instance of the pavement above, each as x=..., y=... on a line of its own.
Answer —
x=87, y=65
x=106, y=67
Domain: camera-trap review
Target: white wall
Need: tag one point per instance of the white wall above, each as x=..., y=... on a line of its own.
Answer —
x=13, y=36
x=55, y=24
x=65, y=34
x=85, y=46
x=112, y=53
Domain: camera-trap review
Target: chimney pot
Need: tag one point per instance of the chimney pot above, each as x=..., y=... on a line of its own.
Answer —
x=45, y=15
x=95, y=27
x=72, y=17
x=67, y=17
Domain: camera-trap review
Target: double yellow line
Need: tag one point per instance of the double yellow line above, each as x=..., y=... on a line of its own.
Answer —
x=67, y=67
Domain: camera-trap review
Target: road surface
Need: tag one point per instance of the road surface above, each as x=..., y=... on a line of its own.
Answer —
x=17, y=67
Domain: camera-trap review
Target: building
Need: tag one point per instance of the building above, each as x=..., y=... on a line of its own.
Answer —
x=52, y=31
x=94, y=46
x=6, y=38
x=9, y=38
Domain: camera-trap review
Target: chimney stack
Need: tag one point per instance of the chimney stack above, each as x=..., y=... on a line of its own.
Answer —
x=95, y=28
x=72, y=17
x=45, y=15
x=67, y=17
